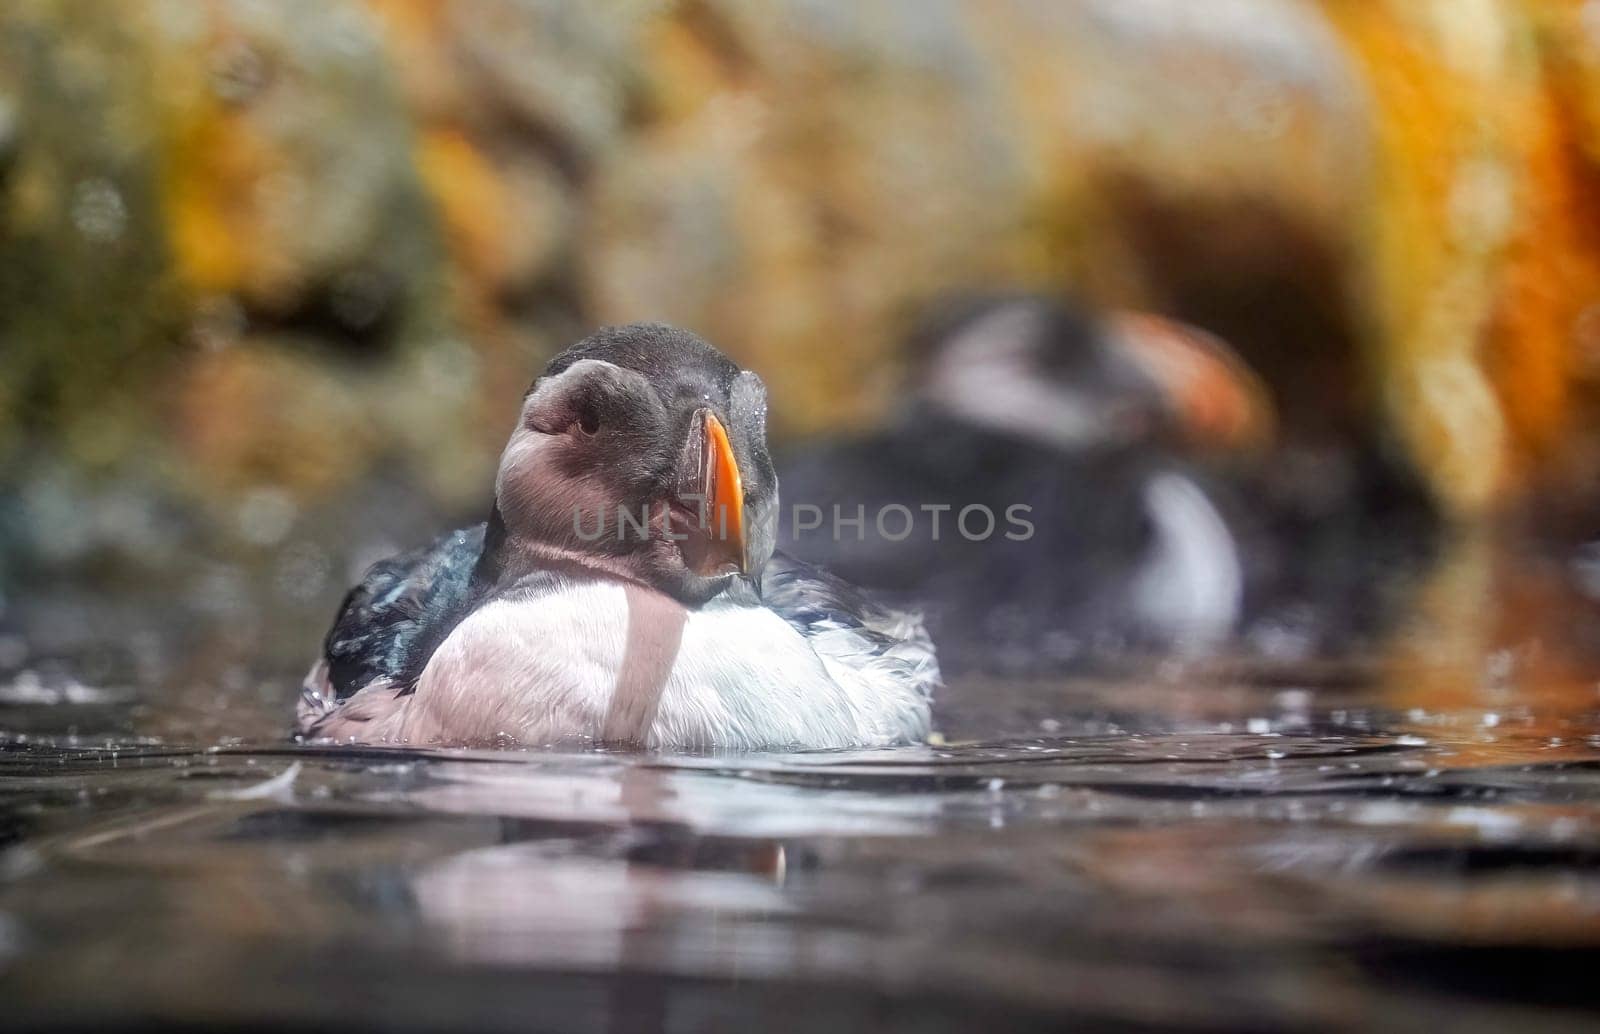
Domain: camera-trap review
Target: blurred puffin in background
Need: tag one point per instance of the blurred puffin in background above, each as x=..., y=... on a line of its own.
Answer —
x=624, y=589
x=1073, y=436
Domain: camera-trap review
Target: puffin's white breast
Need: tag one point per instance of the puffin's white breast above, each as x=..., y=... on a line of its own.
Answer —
x=611, y=662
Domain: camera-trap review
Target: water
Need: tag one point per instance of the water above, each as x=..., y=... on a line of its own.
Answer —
x=1403, y=839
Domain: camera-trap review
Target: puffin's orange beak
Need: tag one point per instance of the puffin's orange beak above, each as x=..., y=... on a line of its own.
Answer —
x=723, y=489
x=1217, y=399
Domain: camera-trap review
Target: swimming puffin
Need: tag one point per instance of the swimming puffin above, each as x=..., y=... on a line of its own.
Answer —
x=625, y=588
x=1068, y=437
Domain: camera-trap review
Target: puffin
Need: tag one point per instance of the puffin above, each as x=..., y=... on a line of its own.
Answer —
x=1073, y=441
x=625, y=590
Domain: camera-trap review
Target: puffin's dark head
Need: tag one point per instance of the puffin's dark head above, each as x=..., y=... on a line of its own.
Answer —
x=1045, y=369
x=645, y=448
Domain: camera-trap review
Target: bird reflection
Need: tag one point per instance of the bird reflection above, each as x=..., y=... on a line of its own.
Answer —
x=641, y=892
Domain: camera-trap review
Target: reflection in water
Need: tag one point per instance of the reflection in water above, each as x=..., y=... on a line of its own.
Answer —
x=555, y=892
x=1316, y=877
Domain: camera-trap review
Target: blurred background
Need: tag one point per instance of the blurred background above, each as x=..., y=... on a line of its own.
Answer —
x=273, y=275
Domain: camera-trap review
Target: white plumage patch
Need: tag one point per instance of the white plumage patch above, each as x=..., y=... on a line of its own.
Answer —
x=602, y=661
x=1193, y=588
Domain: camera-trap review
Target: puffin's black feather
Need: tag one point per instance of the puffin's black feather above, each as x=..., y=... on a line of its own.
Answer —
x=811, y=599
x=390, y=624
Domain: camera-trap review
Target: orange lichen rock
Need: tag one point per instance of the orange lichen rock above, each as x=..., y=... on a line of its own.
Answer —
x=213, y=163
x=1446, y=79
x=1544, y=349
x=283, y=151
x=1482, y=237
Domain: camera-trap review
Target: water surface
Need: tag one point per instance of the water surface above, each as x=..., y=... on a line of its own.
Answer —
x=1403, y=839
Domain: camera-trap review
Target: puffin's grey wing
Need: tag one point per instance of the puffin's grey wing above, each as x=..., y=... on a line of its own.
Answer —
x=390, y=624
x=844, y=624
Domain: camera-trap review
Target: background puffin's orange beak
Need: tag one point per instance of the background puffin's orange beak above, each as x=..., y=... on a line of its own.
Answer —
x=1217, y=399
x=724, y=494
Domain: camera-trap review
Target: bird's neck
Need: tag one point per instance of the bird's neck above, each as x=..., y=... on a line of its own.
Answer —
x=507, y=562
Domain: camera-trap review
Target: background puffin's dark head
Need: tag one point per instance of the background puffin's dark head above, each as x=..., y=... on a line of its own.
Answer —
x=1065, y=341
x=1053, y=341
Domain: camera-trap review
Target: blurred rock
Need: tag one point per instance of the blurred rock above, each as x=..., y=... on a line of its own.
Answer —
x=803, y=173
x=287, y=159
x=254, y=246
x=263, y=414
